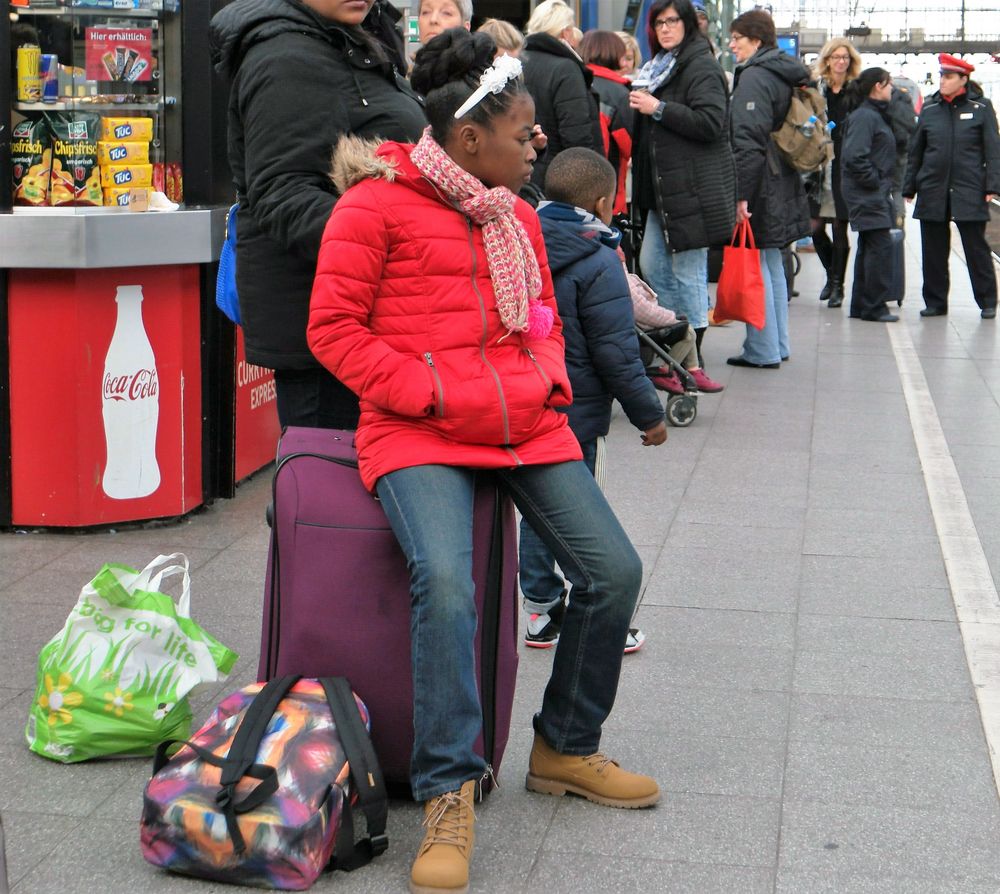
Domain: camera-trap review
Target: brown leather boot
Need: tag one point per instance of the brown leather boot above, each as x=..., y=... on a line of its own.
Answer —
x=442, y=864
x=595, y=777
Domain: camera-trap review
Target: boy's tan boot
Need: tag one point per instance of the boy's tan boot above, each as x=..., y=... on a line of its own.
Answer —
x=595, y=777
x=442, y=864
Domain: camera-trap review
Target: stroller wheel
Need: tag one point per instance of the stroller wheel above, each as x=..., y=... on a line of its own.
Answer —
x=682, y=409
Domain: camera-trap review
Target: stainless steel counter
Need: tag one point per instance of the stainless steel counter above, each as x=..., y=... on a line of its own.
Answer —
x=79, y=238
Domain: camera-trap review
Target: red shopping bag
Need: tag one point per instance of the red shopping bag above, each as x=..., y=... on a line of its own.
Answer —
x=740, y=294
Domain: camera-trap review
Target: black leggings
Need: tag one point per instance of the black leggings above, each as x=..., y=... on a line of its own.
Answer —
x=832, y=254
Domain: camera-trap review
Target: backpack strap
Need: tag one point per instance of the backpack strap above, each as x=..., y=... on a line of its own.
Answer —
x=366, y=774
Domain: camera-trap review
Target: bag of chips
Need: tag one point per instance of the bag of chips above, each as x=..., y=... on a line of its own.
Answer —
x=31, y=161
x=76, y=176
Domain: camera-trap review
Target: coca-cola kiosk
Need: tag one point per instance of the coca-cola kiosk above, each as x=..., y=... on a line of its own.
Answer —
x=124, y=394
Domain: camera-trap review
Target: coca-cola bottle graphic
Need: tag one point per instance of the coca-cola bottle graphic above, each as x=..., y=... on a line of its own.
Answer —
x=131, y=397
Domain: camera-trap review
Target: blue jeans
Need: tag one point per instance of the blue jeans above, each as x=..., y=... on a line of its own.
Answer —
x=770, y=344
x=430, y=510
x=680, y=279
x=541, y=586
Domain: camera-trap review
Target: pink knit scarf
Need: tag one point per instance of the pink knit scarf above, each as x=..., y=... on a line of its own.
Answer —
x=517, y=281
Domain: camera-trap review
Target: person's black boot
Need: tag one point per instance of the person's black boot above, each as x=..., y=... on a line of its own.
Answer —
x=827, y=290
x=836, y=293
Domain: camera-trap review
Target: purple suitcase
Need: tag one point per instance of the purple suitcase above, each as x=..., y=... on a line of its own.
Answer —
x=337, y=594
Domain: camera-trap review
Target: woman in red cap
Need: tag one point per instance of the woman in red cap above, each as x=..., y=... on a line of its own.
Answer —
x=954, y=171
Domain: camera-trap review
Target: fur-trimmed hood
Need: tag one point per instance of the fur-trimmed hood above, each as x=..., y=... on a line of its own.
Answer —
x=356, y=159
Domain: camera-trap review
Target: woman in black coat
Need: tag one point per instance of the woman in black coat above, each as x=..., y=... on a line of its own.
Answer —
x=867, y=159
x=566, y=108
x=954, y=171
x=302, y=73
x=683, y=176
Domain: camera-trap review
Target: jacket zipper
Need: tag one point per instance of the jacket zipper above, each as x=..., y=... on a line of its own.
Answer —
x=482, y=342
x=541, y=372
x=437, y=382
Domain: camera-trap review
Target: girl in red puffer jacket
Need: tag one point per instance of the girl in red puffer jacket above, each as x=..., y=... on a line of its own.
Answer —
x=433, y=301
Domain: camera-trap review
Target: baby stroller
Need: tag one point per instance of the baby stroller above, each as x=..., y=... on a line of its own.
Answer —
x=654, y=346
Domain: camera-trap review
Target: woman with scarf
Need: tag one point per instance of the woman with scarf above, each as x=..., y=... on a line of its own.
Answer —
x=683, y=178
x=867, y=159
x=434, y=302
x=839, y=63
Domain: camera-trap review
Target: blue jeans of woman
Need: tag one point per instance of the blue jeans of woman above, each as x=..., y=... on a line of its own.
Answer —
x=541, y=586
x=430, y=510
x=680, y=279
x=770, y=344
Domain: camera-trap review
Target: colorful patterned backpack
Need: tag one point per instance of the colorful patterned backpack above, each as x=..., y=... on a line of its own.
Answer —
x=263, y=794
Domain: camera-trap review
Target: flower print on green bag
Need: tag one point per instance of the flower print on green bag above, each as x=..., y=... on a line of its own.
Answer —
x=115, y=680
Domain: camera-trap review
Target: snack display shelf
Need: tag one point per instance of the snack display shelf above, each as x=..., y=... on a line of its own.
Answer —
x=89, y=11
x=83, y=104
x=86, y=238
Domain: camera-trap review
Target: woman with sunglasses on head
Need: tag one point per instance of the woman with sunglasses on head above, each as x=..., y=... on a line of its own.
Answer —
x=683, y=177
x=434, y=302
x=867, y=159
x=769, y=190
x=838, y=64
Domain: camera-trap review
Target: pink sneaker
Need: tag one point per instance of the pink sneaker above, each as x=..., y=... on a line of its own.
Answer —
x=666, y=380
x=704, y=383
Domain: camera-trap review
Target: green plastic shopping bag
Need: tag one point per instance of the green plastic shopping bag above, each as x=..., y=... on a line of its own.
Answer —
x=116, y=679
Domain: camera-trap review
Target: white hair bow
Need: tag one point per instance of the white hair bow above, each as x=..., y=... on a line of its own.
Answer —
x=505, y=68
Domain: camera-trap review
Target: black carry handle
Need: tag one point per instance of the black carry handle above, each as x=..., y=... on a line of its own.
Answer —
x=490, y=624
x=366, y=773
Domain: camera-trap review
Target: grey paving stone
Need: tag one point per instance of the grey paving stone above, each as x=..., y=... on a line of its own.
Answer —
x=9, y=694
x=737, y=538
x=32, y=838
x=826, y=574
x=866, y=455
x=974, y=461
x=892, y=526
x=696, y=710
x=14, y=716
x=822, y=539
x=700, y=626
x=682, y=827
x=890, y=840
x=737, y=509
x=881, y=676
x=705, y=578
x=574, y=873
x=822, y=882
x=718, y=666
x=932, y=640
x=904, y=602
x=886, y=722
x=704, y=765
x=921, y=777
x=904, y=492
x=59, y=789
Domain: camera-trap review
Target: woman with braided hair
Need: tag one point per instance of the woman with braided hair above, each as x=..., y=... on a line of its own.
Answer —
x=434, y=302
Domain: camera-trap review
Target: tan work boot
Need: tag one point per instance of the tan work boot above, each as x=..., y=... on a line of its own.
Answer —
x=595, y=777
x=442, y=863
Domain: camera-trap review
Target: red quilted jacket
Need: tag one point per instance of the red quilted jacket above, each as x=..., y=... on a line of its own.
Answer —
x=403, y=313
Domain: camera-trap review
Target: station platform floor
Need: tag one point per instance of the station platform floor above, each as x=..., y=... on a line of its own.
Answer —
x=819, y=693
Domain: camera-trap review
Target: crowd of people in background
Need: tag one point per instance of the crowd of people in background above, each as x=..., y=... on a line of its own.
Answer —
x=672, y=151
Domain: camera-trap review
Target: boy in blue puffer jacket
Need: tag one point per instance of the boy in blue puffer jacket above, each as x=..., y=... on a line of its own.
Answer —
x=602, y=352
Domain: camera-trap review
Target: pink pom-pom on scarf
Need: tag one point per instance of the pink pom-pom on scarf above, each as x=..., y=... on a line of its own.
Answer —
x=540, y=320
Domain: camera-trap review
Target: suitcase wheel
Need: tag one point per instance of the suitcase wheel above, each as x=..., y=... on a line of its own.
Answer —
x=269, y=515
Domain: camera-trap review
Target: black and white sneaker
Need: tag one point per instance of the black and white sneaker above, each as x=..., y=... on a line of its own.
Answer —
x=634, y=640
x=543, y=630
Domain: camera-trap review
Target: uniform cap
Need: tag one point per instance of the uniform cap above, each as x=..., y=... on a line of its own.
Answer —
x=950, y=63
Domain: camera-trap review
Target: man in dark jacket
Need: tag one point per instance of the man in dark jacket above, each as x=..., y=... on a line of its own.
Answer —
x=769, y=191
x=954, y=171
x=903, y=121
x=566, y=107
x=302, y=73
x=602, y=351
